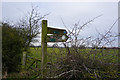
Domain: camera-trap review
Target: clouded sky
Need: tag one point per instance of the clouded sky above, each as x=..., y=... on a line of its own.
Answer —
x=70, y=12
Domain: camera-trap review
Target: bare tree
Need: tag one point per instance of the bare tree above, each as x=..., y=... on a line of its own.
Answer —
x=74, y=33
x=75, y=62
x=30, y=25
x=79, y=63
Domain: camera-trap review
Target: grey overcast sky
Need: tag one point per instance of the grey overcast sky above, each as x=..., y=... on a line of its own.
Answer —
x=70, y=12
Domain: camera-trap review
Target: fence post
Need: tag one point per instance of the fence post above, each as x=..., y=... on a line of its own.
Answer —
x=24, y=61
x=44, y=47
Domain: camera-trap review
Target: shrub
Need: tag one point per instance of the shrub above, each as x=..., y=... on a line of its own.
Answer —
x=11, y=48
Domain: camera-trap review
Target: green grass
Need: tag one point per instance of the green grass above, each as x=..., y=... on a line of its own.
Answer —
x=110, y=55
x=52, y=53
x=105, y=55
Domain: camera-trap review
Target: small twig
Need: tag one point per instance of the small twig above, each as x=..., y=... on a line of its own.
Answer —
x=95, y=74
x=86, y=68
x=64, y=73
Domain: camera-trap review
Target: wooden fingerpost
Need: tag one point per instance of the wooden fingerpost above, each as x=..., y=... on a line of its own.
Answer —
x=44, y=47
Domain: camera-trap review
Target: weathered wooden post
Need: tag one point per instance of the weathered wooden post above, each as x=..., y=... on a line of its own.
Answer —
x=58, y=35
x=44, y=47
x=24, y=61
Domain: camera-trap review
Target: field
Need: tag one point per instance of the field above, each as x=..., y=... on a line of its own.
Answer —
x=109, y=55
x=104, y=61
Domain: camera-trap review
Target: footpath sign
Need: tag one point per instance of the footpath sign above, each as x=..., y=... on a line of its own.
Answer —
x=57, y=38
x=56, y=35
x=56, y=31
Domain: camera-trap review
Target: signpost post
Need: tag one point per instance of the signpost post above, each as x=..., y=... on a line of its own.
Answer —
x=57, y=35
x=44, y=46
